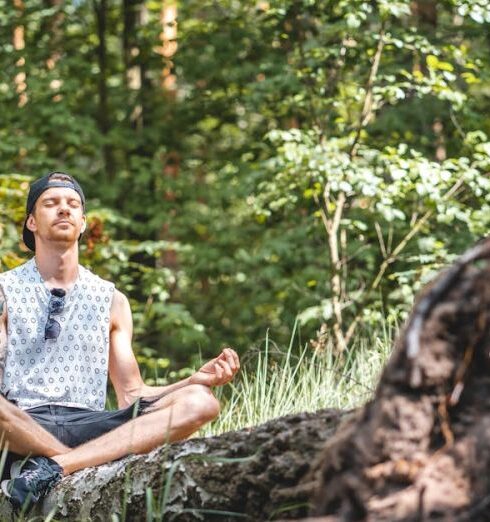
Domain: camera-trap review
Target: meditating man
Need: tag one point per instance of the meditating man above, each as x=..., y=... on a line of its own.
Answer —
x=63, y=331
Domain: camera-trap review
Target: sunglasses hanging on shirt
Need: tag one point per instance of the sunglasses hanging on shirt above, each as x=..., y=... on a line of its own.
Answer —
x=55, y=307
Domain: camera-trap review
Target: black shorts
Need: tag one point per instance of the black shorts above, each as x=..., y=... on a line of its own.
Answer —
x=74, y=426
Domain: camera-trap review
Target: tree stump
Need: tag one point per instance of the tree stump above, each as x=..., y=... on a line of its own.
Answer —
x=420, y=450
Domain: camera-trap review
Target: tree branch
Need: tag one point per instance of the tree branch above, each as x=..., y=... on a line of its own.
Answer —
x=367, y=108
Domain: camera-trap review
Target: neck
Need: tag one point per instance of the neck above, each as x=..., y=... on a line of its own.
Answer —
x=58, y=268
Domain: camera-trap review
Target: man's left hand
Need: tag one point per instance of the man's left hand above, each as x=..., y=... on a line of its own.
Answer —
x=218, y=371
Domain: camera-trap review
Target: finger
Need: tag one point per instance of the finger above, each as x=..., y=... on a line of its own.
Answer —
x=231, y=354
x=235, y=358
x=218, y=371
x=230, y=359
x=221, y=356
x=225, y=375
x=227, y=371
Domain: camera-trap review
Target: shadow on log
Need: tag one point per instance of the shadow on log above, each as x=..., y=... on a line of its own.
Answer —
x=243, y=475
x=420, y=450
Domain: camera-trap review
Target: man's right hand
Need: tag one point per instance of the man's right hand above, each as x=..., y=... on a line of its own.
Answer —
x=217, y=371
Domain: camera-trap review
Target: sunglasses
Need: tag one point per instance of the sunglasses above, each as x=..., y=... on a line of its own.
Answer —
x=55, y=306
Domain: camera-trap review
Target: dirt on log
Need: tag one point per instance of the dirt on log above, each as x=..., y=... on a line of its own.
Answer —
x=420, y=450
x=242, y=475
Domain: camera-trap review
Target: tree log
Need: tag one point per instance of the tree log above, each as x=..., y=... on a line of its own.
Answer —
x=250, y=474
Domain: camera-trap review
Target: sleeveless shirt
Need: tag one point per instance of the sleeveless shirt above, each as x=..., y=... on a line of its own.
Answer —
x=70, y=370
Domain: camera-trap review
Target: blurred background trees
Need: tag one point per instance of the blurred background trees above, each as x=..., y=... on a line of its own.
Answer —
x=248, y=163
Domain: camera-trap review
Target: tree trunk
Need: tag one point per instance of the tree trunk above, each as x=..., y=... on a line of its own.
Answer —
x=170, y=159
x=104, y=121
x=420, y=450
x=168, y=38
x=54, y=27
x=132, y=58
x=248, y=472
x=128, y=45
x=18, y=40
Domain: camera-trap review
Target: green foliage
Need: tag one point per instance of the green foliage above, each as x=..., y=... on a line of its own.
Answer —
x=389, y=192
x=316, y=158
x=13, y=193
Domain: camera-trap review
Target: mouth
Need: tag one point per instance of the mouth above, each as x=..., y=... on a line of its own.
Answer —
x=62, y=222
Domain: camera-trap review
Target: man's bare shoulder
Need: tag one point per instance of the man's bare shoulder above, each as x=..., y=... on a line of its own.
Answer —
x=119, y=300
x=120, y=308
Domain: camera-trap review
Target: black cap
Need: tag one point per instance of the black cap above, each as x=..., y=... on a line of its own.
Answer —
x=37, y=188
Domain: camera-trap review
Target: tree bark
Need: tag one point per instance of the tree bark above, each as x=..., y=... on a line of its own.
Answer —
x=420, y=450
x=250, y=472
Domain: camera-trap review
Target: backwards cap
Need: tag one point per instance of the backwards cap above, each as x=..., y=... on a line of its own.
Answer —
x=37, y=188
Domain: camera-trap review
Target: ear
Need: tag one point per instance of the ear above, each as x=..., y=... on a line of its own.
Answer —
x=84, y=225
x=31, y=223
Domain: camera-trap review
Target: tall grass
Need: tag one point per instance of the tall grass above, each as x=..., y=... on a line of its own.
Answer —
x=274, y=383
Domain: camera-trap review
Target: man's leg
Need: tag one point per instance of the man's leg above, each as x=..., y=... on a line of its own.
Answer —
x=173, y=417
x=24, y=436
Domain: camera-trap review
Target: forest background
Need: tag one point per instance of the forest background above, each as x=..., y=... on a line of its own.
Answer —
x=252, y=165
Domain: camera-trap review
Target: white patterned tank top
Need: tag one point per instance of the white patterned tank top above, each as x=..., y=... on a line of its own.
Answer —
x=71, y=369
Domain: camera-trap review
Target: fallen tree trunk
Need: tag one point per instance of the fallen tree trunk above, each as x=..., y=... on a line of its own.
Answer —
x=420, y=450
x=248, y=473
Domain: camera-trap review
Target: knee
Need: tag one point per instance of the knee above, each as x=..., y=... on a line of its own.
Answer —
x=201, y=403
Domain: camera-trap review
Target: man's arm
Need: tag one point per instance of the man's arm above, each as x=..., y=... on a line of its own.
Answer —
x=123, y=367
x=124, y=372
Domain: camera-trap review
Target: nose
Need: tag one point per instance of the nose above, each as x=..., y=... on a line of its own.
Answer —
x=63, y=208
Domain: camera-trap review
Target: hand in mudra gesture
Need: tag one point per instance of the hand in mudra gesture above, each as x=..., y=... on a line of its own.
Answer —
x=218, y=371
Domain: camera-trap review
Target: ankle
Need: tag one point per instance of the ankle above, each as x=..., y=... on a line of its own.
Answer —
x=59, y=460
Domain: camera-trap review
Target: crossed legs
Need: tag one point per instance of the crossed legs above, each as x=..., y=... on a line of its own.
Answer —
x=171, y=418
x=22, y=435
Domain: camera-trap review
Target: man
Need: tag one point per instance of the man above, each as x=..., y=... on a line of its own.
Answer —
x=63, y=331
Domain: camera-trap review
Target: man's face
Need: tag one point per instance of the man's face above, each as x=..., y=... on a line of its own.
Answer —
x=57, y=217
